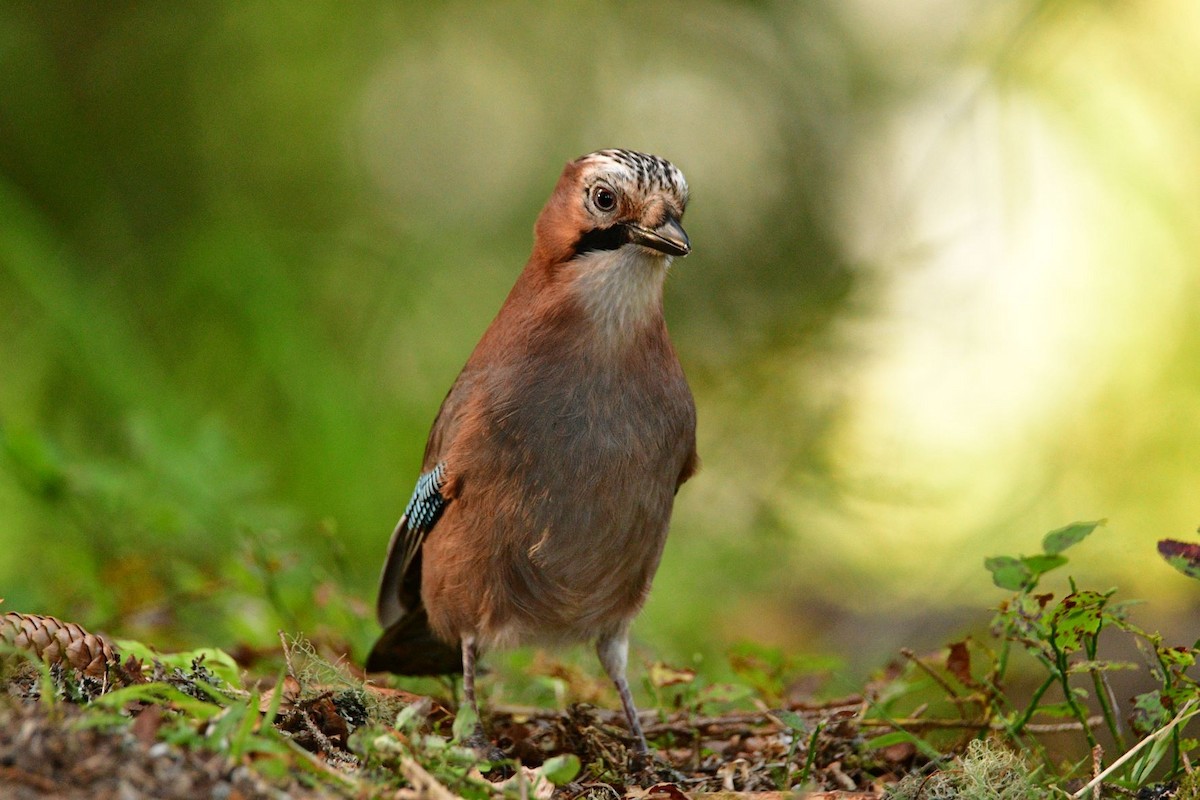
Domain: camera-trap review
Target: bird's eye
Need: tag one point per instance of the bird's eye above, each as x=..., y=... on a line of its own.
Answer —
x=604, y=198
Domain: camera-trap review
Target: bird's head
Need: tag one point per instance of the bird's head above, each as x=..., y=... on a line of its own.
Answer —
x=604, y=241
x=615, y=200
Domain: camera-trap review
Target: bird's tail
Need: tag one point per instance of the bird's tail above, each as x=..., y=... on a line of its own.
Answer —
x=408, y=647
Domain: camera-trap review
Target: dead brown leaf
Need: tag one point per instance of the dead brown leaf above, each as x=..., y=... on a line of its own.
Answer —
x=958, y=663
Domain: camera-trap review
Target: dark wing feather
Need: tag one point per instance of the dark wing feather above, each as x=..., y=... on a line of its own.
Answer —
x=408, y=647
x=398, y=594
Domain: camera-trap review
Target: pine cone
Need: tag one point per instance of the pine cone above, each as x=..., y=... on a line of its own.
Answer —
x=56, y=641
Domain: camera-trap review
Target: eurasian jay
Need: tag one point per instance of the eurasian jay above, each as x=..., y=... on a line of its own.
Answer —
x=551, y=470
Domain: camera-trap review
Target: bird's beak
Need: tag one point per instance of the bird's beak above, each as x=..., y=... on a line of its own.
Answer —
x=668, y=238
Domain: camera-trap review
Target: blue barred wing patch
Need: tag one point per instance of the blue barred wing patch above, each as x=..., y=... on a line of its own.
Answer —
x=427, y=502
x=422, y=512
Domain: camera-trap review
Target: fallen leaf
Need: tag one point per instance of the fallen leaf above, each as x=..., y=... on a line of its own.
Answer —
x=958, y=663
x=661, y=675
x=665, y=791
x=146, y=724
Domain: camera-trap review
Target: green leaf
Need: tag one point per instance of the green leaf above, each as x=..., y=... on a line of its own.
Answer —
x=247, y=717
x=1183, y=556
x=160, y=694
x=791, y=719
x=1149, y=714
x=1043, y=563
x=888, y=739
x=561, y=770
x=276, y=698
x=409, y=718
x=465, y=723
x=1077, y=618
x=1008, y=572
x=1058, y=540
x=1183, y=657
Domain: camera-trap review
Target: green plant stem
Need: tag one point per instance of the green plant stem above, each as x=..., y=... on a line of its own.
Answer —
x=1104, y=696
x=1104, y=693
x=1001, y=668
x=810, y=757
x=1060, y=671
x=1017, y=729
x=1176, y=751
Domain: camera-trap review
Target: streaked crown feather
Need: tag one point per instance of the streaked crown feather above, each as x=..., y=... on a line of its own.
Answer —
x=644, y=171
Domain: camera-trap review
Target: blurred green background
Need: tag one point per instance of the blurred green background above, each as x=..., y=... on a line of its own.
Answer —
x=943, y=296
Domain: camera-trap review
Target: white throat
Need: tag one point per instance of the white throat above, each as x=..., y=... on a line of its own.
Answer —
x=621, y=290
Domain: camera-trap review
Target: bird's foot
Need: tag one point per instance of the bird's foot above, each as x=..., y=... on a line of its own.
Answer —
x=653, y=768
x=484, y=748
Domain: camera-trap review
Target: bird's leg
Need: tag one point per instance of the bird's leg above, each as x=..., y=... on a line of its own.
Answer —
x=468, y=663
x=477, y=739
x=613, y=650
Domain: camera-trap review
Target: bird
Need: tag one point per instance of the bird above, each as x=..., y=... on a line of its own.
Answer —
x=551, y=469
